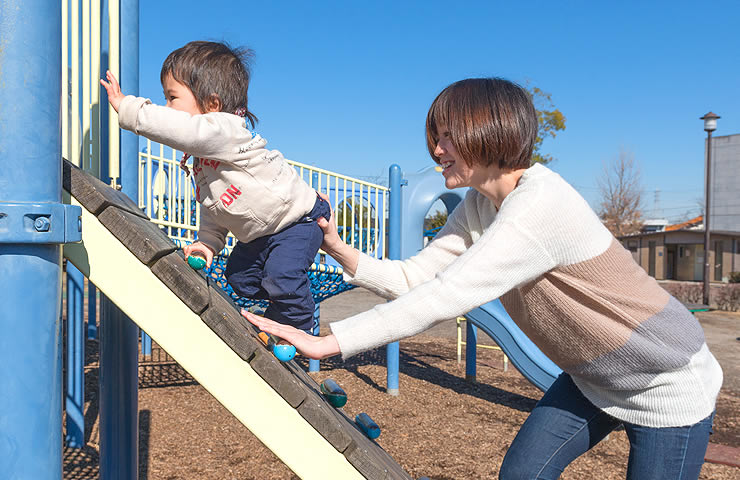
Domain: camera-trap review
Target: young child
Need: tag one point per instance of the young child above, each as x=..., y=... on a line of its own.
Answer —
x=242, y=186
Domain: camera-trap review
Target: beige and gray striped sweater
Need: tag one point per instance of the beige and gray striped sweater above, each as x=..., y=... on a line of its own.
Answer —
x=631, y=348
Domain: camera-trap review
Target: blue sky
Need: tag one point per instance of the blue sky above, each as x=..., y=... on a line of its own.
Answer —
x=345, y=85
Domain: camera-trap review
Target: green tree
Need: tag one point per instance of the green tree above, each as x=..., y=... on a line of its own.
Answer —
x=550, y=120
x=435, y=220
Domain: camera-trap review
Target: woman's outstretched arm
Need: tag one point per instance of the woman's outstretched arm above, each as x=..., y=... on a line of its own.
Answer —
x=308, y=345
x=346, y=255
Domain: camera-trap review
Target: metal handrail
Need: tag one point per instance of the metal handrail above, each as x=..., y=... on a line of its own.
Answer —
x=166, y=194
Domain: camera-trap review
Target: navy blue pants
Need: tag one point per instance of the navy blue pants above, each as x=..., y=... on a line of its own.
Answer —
x=275, y=267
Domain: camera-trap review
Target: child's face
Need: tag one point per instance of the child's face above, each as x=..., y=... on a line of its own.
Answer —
x=180, y=97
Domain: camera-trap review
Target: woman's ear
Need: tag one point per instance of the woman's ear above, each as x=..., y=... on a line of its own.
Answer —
x=214, y=103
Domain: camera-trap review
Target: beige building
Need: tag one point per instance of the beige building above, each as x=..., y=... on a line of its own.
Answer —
x=676, y=252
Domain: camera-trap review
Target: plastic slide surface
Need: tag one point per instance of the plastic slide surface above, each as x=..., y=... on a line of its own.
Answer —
x=526, y=357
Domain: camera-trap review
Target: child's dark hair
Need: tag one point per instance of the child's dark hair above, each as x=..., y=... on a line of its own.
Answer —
x=489, y=120
x=214, y=72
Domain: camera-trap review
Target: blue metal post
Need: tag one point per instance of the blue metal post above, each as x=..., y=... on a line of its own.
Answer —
x=314, y=365
x=75, y=391
x=392, y=352
x=146, y=343
x=471, y=351
x=119, y=336
x=33, y=224
x=118, y=395
x=92, y=313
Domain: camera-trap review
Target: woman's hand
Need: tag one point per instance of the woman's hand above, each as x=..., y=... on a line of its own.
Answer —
x=113, y=89
x=331, y=234
x=333, y=244
x=308, y=345
x=199, y=247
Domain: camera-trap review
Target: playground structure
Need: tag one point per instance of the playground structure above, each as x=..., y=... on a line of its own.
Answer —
x=139, y=268
x=34, y=224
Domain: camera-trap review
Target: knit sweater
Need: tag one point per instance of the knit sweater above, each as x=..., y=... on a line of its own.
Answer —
x=242, y=186
x=632, y=349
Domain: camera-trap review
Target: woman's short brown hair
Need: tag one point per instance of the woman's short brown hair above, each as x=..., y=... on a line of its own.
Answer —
x=489, y=120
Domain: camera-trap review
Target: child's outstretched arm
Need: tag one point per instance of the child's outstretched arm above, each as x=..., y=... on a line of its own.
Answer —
x=114, y=90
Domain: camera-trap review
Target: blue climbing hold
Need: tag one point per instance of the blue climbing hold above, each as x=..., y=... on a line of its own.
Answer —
x=284, y=353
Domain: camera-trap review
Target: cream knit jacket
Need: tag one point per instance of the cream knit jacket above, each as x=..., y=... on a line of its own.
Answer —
x=632, y=349
x=242, y=186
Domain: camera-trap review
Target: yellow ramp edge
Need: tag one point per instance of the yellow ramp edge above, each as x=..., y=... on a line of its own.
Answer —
x=152, y=306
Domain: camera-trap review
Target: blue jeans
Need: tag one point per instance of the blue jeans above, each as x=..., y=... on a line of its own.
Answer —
x=564, y=425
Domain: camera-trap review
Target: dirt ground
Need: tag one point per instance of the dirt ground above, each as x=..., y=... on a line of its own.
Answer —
x=440, y=426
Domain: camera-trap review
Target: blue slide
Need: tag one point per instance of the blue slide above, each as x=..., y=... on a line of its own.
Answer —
x=526, y=357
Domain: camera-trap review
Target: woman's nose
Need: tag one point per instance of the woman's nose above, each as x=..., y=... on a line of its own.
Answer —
x=438, y=150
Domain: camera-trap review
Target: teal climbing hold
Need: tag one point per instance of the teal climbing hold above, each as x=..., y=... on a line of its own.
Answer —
x=196, y=261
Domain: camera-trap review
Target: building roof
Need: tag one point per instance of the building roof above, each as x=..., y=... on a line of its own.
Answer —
x=695, y=225
x=688, y=224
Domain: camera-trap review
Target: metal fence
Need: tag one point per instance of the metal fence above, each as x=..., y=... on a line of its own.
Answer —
x=166, y=193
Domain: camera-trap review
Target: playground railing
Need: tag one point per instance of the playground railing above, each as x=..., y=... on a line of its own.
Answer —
x=166, y=193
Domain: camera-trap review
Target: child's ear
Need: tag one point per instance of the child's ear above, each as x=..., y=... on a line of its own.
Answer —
x=214, y=103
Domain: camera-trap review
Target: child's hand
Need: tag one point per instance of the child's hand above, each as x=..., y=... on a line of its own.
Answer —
x=114, y=90
x=201, y=248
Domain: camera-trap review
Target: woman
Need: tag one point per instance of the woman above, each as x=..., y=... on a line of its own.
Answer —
x=631, y=354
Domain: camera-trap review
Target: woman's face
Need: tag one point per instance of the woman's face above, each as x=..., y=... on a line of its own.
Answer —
x=457, y=173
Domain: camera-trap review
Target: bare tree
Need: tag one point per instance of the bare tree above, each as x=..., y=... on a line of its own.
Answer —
x=621, y=195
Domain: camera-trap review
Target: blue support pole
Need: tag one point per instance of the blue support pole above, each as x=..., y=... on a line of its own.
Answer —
x=392, y=352
x=92, y=313
x=118, y=395
x=146, y=344
x=33, y=225
x=75, y=391
x=471, y=351
x=119, y=336
x=314, y=365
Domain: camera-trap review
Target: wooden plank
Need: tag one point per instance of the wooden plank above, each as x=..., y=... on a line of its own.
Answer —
x=93, y=194
x=363, y=453
x=224, y=319
x=189, y=286
x=277, y=376
x=320, y=414
x=369, y=458
x=142, y=238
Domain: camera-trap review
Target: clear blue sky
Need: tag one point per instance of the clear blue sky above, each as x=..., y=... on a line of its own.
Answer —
x=345, y=85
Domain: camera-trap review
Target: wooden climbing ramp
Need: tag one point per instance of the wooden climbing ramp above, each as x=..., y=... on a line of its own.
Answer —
x=139, y=268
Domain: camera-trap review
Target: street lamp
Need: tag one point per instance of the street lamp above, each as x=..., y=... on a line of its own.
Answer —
x=710, y=125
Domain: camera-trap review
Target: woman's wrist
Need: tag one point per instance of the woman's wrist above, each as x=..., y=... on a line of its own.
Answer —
x=334, y=249
x=330, y=346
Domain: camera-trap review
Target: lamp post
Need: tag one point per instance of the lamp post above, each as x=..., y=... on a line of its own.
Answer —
x=710, y=125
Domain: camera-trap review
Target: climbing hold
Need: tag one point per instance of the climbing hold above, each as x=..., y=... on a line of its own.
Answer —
x=196, y=261
x=333, y=393
x=284, y=353
x=367, y=425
